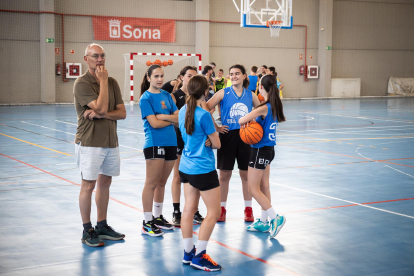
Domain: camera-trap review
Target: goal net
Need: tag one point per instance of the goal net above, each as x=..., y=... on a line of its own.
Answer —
x=136, y=65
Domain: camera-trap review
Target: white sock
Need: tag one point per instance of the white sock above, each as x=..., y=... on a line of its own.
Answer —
x=188, y=244
x=201, y=245
x=157, y=209
x=263, y=217
x=147, y=216
x=271, y=213
x=223, y=204
x=247, y=203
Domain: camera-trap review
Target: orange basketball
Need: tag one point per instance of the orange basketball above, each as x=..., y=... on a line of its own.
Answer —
x=170, y=62
x=165, y=63
x=261, y=98
x=251, y=134
x=149, y=63
x=157, y=61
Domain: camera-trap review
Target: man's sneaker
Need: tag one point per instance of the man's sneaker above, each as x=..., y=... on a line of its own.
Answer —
x=276, y=225
x=204, y=262
x=162, y=223
x=176, y=220
x=223, y=214
x=151, y=229
x=248, y=214
x=259, y=226
x=188, y=257
x=91, y=238
x=108, y=233
x=198, y=218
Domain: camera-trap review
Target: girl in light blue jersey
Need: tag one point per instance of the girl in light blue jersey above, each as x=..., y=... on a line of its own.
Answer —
x=198, y=173
x=235, y=102
x=158, y=112
x=268, y=115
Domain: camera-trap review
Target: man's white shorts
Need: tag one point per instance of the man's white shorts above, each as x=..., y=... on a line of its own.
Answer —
x=94, y=161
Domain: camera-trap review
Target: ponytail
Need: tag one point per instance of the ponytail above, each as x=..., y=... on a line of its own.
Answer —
x=246, y=81
x=270, y=85
x=145, y=84
x=196, y=87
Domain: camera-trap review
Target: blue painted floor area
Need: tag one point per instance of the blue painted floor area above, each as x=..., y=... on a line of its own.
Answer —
x=343, y=176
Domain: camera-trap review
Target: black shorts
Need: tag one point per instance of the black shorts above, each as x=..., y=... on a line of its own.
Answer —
x=203, y=182
x=232, y=148
x=180, y=141
x=261, y=157
x=167, y=153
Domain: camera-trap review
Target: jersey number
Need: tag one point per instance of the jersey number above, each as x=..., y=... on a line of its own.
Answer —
x=272, y=136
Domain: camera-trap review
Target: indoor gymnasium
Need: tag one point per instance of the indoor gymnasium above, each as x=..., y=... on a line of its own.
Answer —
x=195, y=137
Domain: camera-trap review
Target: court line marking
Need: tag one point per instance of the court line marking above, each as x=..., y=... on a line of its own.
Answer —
x=64, y=179
x=33, y=144
x=356, y=128
x=74, y=134
x=135, y=208
x=118, y=128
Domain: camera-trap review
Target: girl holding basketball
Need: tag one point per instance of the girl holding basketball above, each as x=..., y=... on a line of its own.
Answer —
x=235, y=102
x=268, y=115
x=158, y=112
x=179, y=97
x=198, y=173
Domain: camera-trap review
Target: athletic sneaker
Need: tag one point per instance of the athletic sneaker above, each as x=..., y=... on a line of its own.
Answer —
x=276, y=225
x=176, y=220
x=223, y=214
x=108, y=233
x=204, y=262
x=92, y=239
x=198, y=218
x=162, y=223
x=188, y=257
x=151, y=229
x=248, y=214
x=259, y=226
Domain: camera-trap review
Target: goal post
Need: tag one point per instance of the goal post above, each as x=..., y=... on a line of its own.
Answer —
x=136, y=65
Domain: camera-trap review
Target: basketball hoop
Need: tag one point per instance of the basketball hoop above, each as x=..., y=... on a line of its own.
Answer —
x=274, y=27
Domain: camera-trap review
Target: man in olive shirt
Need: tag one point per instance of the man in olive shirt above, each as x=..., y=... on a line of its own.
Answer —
x=98, y=103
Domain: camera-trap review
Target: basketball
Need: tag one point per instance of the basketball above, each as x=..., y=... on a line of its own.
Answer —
x=252, y=133
x=170, y=62
x=165, y=63
x=149, y=63
x=157, y=61
x=261, y=98
x=238, y=110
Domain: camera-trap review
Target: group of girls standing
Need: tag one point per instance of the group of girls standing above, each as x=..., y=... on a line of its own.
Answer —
x=189, y=151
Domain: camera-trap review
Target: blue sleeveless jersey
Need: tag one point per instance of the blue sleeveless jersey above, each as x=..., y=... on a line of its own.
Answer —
x=269, y=126
x=234, y=107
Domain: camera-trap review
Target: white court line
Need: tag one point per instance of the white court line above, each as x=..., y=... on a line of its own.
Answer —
x=357, y=128
x=331, y=197
x=118, y=128
x=311, y=118
x=365, y=118
x=381, y=162
x=72, y=133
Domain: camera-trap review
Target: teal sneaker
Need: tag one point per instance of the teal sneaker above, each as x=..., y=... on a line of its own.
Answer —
x=276, y=225
x=92, y=239
x=108, y=233
x=259, y=226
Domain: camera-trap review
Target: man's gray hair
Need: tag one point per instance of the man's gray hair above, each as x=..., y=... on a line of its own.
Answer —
x=90, y=46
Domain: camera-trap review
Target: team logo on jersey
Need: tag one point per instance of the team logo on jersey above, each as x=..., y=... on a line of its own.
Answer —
x=163, y=105
x=237, y=111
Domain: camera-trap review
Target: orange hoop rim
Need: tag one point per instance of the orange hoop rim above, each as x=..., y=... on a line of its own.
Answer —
x=273, y=23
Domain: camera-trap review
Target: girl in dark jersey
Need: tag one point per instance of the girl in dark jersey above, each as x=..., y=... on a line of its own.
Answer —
x=235, y=102
x=268, y=115
x=179, y=97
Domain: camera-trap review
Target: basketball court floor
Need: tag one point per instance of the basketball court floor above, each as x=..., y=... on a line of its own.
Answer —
x=343, y=176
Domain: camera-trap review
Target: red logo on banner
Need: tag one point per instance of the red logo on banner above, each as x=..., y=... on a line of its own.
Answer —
x=133, y=29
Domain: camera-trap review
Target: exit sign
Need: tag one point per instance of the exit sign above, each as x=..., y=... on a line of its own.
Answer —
x=50, y=40
x=328, y=47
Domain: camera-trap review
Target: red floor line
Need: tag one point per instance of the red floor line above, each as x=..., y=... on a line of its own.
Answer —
x=251, y=256
x=135, y=208
x=61, y=178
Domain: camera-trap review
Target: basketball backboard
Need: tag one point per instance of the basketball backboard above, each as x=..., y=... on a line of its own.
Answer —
x=255, y=13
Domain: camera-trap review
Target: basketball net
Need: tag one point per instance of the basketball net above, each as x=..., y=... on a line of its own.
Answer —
x=274, y=27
